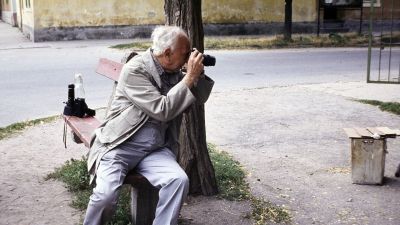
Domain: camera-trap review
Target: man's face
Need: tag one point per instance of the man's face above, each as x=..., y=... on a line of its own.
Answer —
x=180, y=55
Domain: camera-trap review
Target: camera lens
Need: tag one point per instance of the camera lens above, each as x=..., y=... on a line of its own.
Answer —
x=71, y=93
x=208, y=60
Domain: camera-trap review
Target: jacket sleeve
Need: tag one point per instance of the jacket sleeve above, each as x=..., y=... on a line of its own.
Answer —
x=202, y=89
x=138, y=87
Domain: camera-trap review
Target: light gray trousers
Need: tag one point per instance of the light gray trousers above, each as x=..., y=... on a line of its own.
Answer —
x=159, y=167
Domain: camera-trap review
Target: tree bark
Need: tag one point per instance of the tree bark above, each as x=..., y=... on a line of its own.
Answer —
x=288, y=20
x=193, y=153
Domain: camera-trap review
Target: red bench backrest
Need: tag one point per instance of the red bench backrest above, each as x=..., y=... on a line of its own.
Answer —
x=109, y=68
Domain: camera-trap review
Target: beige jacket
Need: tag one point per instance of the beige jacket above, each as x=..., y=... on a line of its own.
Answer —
x=137, y=98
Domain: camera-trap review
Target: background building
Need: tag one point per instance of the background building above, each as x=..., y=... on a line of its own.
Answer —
x=45, y=20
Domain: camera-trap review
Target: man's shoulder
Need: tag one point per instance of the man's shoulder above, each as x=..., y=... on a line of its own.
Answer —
x=143, y=60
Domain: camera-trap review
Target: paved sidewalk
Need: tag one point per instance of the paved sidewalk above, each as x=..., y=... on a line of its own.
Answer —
x=10, y=35
x=291, y=142
x=12, y=38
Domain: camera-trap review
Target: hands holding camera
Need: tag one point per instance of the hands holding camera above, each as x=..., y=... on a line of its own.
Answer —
x=194, y=68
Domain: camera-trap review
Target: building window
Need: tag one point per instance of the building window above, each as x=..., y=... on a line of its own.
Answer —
x=27, y=4
x=367, y=3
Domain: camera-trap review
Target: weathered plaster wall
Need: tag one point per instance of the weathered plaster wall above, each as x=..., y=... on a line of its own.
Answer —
x=93, y=19
x=89, y=13
x=259, y=11
x=58, y=13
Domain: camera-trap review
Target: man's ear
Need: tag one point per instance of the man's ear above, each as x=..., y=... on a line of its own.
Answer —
x=168, y=53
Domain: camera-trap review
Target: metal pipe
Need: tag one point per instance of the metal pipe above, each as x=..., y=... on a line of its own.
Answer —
x=390, y=43
x=381, y=46
x=371, y=13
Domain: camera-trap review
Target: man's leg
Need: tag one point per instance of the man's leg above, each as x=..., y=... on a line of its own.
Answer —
x=163, y=172
x=111, y=173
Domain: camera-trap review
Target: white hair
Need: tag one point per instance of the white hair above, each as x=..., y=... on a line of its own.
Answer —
x=165, y=37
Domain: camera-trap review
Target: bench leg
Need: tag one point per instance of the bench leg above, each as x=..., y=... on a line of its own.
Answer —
x=76, y=138
x=144, y=199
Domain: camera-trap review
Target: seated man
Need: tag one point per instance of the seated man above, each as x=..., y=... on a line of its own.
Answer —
x=142, y=128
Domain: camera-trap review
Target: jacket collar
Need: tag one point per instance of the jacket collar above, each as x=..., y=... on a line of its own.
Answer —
x=151, y=67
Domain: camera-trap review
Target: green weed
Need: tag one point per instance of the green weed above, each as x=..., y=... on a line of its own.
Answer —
x=393, y=107
x=265, y=212
x=76, y=179
x=229, y=174
x=135, y=45
x=277, y=41
x=14, y=128
x=232, y=186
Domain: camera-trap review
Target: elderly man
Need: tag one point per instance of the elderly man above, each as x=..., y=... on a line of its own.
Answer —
x=142, y=129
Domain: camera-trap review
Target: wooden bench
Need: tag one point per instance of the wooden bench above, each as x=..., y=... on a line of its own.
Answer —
x=144, y=196
x=368, y=150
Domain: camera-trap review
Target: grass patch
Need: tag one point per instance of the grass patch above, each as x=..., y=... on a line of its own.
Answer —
x=393, y=107
x=142, y=45
x=14, y=128
x=76, y=179
x=232, y=186
x=273, y=42
x=229, y=174
x=265, y=212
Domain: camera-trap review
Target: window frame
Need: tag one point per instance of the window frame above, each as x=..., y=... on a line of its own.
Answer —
x=27, y=4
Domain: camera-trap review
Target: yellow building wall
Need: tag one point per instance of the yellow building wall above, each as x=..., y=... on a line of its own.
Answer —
x=242, y=11
x=78, y=13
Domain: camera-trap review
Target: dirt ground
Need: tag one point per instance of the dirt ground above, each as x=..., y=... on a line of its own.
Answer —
x=27, y=199
x=289, y=140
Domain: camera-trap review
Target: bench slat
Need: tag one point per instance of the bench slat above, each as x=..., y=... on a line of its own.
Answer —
x=388, y=132
x=83, y=127
x=397, y=131
x=363, y=132
x=351, y=133
x=109, y=68
x=375, y=131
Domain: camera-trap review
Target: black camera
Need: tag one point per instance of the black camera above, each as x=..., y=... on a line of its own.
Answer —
x=76, y=107
x=208, y=60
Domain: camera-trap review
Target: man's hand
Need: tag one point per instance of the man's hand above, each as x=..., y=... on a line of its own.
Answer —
x=195, y=68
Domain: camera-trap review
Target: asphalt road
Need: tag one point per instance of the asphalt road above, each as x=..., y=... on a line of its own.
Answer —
x=35, y=77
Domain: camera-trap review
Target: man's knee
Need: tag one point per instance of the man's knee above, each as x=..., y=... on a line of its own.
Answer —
x=106, y=197
x=181, y=179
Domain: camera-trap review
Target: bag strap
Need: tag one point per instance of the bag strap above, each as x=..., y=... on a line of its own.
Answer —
x=65, y=133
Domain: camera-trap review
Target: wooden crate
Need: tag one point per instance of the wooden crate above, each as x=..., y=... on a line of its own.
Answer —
x=368, y=152
x=368, y=160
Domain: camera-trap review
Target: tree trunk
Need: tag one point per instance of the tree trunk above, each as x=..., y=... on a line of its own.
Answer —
x=288, y=20
x=193, y=153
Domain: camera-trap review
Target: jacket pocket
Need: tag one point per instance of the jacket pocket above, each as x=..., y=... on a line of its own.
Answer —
x=121, y=124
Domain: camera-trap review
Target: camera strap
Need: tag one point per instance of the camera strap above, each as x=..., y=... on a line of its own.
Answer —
x=65, y=133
